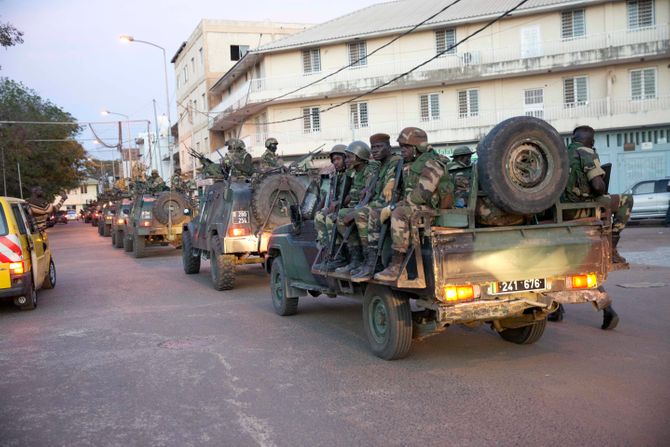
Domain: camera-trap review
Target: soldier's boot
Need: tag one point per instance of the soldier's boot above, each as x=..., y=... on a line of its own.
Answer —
x=367, y=269
x=616, y=257
x=557, y=315
x=392, y=272
x=339, y=261
x=356, y=254
x=610, y=318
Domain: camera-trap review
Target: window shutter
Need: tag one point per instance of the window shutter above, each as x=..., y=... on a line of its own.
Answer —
x=474, y=102
x=566, y=24
x=425, y=113
x=434, y=106
x=316, y=119
x=357, y=50
x=445, y=38
x=649, y=83
x=636, y=84
x=306, y=120
x=582, y=93
x=363, y=111
x=578, y=23
x=463, y=103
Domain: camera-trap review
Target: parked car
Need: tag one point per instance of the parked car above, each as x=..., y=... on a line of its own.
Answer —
x=71, y=215
x=61, y=217
x=26, y=265
x=651, y=199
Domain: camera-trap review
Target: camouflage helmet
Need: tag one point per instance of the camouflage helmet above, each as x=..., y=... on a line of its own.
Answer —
x=154, y=172
x=359, y=149
x=270, y=141
x=413, y=136
x=235, y=144
x=462, y=150
x=338, y=149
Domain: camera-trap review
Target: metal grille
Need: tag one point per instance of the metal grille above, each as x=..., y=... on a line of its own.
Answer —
x=533, y=100
x=359, y=115
x=445, y=38
x=311, y=118
x=429, y=107
x=575, y=92
x=468, y=103
x=572, y=24
x=643, y=83
x=261, y=127
x=311, y=60
x=358, y=50
x=640, y=13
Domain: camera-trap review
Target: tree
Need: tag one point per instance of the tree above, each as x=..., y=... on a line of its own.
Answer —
x=9, y=35
x=56, y=164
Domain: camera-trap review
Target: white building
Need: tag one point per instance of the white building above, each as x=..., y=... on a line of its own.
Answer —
x=77, y=198
x=155, y=152
x=570, y=62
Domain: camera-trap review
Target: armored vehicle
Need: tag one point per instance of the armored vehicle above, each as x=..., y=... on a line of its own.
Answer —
x=106, y=218
x=236, y=217
x=456, y=272
x=155, y=219
x=121, y=214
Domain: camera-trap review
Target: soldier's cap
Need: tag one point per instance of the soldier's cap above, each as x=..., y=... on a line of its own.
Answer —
x=462, y=150
x=380, y=138
x=338, y=149
x=270, y=141
x=412, y=136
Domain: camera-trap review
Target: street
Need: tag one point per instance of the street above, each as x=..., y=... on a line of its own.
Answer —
x=132, y=352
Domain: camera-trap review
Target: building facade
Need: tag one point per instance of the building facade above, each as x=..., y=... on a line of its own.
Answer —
x=78, y=198
x=569, y=62
x=211, y=50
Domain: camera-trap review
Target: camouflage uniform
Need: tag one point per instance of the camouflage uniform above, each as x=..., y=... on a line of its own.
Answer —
x=179, y=184
x=359, y=181
x=155, y=183
x=324, y=223
x=269, y=160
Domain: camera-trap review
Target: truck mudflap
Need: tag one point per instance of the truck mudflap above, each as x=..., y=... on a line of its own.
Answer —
x=491, y=310
x=598, y=297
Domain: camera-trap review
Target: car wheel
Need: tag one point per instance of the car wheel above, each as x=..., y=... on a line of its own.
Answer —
x=127, y=243
x=283, y=306
x=106, y=230
x=139, y=244
x=118, y=239
x=31, y=302
x=387, y=321
x=50, y=280
x=525, y=335
x=190, y=259
x=114, y=239
x=222, y=271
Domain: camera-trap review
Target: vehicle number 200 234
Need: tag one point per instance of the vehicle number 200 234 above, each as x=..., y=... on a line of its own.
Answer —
x=521, y=285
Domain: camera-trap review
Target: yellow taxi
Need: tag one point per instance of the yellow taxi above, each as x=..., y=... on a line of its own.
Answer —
x=26, y=265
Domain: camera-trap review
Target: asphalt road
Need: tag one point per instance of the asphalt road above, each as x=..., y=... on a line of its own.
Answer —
x=134, y=352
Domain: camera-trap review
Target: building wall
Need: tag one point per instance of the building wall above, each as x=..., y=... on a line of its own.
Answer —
x=77, y=198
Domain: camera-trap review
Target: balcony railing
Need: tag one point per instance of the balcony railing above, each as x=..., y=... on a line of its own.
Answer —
x=464, y=64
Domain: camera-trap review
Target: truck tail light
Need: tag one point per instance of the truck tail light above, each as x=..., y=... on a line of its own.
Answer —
x=120, y=221
x=238, y=231
x=465, y=292
x=17, y=268
x=588, y=281
x=145, y=223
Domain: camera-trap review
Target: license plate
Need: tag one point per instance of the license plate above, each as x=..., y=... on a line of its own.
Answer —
x=521, y=285
x=240, y=217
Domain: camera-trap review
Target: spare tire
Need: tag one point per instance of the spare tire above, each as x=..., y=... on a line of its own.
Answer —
x=523, y=165
x=170, y=203
x=272, y=198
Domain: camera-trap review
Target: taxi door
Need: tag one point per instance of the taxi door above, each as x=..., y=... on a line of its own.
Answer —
x=37, y=242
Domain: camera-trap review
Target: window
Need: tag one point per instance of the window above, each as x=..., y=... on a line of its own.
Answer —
x=359, y=115
x=238, y=51
x=429, y=107
x=204, y=103
x=533, y=102
x=261, y=124
x=468, y=103
x=207, y=144
x=193, y=64
x=640, y=13
x=311, y=119
x=445, y=39
x=178, y=81
x=357, y=53
x=644, y=188
x=572, y=24
x=202, y=57
x=19, y=218
x=575, y=92
x=185, y=74
x=83, y=189
x=311, y=61
x=643, y=83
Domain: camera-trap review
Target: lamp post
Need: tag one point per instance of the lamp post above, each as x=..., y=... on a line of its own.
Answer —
x=128, y=39
x=130, y=154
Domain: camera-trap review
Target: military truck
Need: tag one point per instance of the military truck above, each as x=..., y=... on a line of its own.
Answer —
x=155, y=219
x=235, y=219
x=123, y=207
x=106, y=218
x=457, y=272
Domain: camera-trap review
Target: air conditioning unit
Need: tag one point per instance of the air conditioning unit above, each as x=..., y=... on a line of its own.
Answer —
x=470, y=58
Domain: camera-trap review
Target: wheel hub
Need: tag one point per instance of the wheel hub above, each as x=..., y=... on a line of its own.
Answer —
x=527, y=166
x=378, y=319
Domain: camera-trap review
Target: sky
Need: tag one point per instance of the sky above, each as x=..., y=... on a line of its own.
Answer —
x=72, y=55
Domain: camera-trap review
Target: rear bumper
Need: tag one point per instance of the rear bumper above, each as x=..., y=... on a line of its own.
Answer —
x=20, y=287
x=489, y=310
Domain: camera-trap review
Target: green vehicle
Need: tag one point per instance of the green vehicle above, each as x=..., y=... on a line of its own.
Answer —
x=106, y=217
x=457, y=272
x=119, y=219
x=155, y=220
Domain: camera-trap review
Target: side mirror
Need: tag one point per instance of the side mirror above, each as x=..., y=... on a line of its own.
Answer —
x=187, y=212
x=126, y=212
x=296, y=219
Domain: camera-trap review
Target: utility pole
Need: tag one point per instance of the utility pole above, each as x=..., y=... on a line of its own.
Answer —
x=18, y=168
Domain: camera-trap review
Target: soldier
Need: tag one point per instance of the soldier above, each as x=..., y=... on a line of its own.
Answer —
x=460, y=170
x=41, y=209
x=238, y=159
x=178, y=183
x=155, y=183
x=367, y=217
x=586, y=183
x=324, y=219
x=426, y=186
x=362, y=171
x=269, y=159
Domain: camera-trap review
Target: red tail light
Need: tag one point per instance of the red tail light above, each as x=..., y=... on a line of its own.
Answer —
x=238, y=231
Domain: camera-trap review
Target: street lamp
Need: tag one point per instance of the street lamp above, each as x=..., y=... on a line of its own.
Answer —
x=130, y=154
x=129, y=39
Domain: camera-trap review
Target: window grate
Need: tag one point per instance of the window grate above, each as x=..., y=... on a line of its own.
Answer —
x=311, y=117
x=575, y=92
x=572, y=24
x=311, y=61
x=429, y=106
x=445, y=39
x=359, y=115
x=640, y=13
x=468, y=103
x=643, y=84
x=357, y=54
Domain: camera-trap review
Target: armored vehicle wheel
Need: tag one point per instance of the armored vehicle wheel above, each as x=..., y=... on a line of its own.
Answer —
x=170, y=204
x=139, y=244
x=127, y=243
x=272, y=198
x=523, y=165
x=525, y=335
x=100, y=228
x=190, y=260
x=106, y=230
x=283, y=306
x=387, y=320
x=50, y=280
x=223, y=271
x=114, y=239
x=118, y=243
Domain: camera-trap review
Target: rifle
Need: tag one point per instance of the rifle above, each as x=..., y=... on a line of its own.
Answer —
x=386, y=226
x=346, y=186
x=310, y=154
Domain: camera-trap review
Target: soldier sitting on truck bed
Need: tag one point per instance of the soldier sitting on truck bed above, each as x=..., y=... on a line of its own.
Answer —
x=324, y=219
x=269, y=159
x=427, y=186
x=155, y=183
x=362, y=171
x=237, y=161
x=461, y=171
